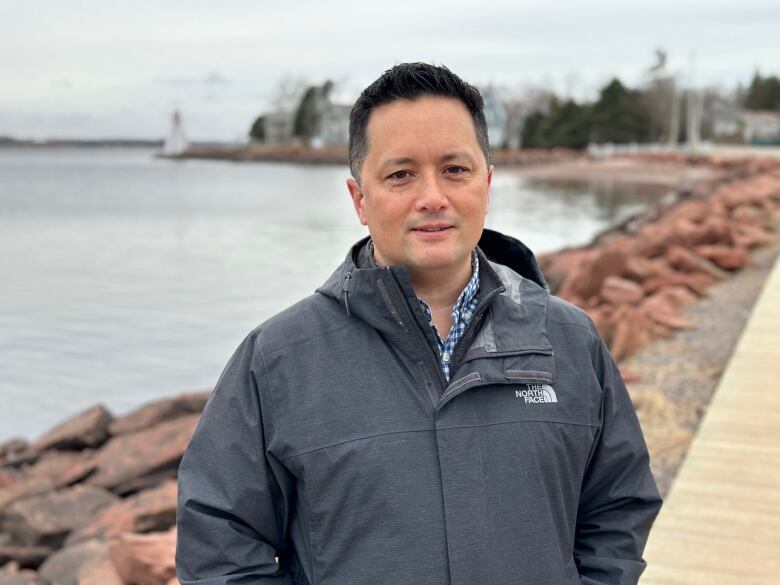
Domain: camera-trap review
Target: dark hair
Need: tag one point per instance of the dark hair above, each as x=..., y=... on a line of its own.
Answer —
x=410, y=81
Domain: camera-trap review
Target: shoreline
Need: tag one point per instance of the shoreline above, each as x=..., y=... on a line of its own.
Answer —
x=670, y=290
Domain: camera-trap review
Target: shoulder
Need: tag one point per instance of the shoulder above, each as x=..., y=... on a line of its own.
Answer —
x=309, y=318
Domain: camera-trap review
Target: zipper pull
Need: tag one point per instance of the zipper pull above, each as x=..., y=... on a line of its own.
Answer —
x=346, y=286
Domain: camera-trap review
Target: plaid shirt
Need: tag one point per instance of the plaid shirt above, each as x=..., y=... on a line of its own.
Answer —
x=462, y=312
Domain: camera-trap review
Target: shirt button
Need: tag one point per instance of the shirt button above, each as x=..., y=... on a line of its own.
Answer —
x=467, y=316
x=446, y=356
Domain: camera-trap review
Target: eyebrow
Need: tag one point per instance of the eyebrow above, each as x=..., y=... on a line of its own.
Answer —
x=405, y=160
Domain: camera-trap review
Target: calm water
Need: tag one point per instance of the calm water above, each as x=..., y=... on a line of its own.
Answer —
x=124, y=278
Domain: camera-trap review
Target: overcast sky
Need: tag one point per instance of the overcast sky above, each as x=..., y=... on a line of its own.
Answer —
x=116, y=68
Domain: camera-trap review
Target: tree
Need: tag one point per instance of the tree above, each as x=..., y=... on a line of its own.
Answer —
x=257, y=131
x=308, y=116
x=619, y=115
x=531, y=136
x=763, y=93
x=568, y=125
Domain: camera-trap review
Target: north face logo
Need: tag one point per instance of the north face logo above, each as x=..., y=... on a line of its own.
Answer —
x=536, y=393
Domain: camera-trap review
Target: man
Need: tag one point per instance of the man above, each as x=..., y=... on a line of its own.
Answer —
x=431, y=415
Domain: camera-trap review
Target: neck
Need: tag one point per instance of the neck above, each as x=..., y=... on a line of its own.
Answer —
x=441, y=288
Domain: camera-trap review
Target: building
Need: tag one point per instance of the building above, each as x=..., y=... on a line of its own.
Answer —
x=761, y=127
x=495, y=116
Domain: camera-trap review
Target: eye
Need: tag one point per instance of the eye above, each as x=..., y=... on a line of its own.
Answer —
x=455, y=170
x=400, y=175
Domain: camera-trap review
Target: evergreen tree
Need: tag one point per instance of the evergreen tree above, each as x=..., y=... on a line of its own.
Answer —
x=763, y=93
x=257, y=131
x=619, y=115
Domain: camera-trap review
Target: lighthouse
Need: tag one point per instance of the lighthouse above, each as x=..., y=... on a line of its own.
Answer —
x=175, y=142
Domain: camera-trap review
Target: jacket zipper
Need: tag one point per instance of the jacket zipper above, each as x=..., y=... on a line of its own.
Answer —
x=433, y=352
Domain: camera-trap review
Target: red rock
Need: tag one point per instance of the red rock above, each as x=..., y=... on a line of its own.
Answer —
x=8, y=477
x=88, y=428
x=690, y=210
x=654, y=239
x=54, y=469
x=28, y=557
x=45, y=520
x=687, y=261
x=145, y=559
x=748, y=215
x=62, y=467
x=664, y=307
x=659, y=330
x=640, y=268
x=161, y=410
x=126, y=458
x=724, y=257
x=11, y=574
x=601, y=319
x=65, y=566
x=99, y=572
x=11, y=446
x=630, y=377
x=24, y=489
x=586, y=279
x=558, y=265
x=670, y=321
x=620, y=291
x=149, y=511
x=752, y=237
x=631, y=331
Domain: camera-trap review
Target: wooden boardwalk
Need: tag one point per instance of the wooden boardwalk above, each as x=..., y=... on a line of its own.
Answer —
x=720, y=523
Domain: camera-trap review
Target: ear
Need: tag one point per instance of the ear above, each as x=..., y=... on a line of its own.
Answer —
x=357, y=199
x=489, y=182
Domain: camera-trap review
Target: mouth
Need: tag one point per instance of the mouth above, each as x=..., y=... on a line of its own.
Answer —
x=432, y=228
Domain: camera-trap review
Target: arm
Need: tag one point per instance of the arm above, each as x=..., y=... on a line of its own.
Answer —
x=233, y=504
x=619, y=498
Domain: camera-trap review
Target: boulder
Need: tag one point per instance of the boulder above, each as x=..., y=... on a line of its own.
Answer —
x=125, y=458
x=161, y=410
x=52, y=470
x=88, y=428
x=99, y=572
x=45, y=520
x=639, y=268
x=724, y=257
x=696, y=282
x=145, y=559
x=8, y=477
x=11, y=447
x=24, y=489
x=687, y=261
x=148, y=511
x=749, y=237
x=654, y=239
x=28, y=557
x=64, y=566
x=631, y=331
x=620, y=291
x=11, y=574
x=62, y=467
x=587, y=278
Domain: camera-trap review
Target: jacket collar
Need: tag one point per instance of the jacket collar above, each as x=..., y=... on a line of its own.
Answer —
x=383, y=296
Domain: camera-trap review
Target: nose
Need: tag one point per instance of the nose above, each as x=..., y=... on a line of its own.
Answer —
x=431, y=197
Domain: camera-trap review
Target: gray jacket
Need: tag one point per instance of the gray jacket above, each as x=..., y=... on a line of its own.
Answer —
x=333, y=442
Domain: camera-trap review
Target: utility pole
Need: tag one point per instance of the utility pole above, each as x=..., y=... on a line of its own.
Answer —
x=674, y=122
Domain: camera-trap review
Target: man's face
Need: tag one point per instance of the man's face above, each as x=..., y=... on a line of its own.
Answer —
x=424, y=184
